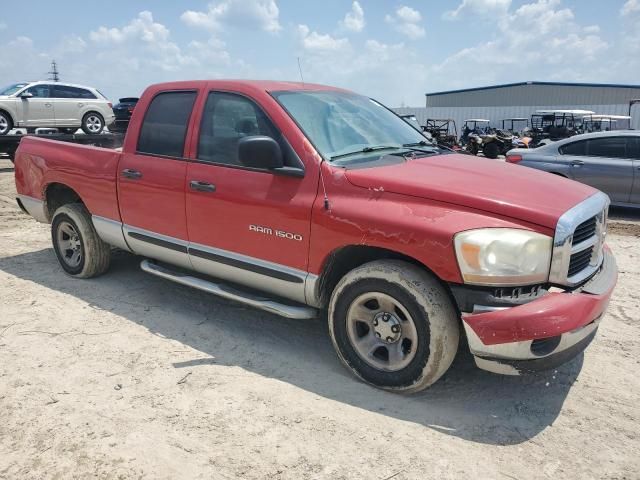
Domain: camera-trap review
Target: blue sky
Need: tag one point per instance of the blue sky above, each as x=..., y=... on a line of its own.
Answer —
x=393, y=51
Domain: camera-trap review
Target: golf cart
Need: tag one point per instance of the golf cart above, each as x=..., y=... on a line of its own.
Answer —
x=515, y=125
x=413, y=121
x=477, y=135
x=551, y=125
x=605, y=123
x=443, y=132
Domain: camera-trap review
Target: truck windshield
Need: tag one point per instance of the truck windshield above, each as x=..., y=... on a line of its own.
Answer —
x=11, y=89
x=343, y=124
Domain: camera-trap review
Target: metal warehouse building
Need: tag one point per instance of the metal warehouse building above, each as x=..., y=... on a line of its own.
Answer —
x=523, y=99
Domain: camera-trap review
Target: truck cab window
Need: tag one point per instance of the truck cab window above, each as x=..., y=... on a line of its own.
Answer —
x=226, y=119
x=164, y=127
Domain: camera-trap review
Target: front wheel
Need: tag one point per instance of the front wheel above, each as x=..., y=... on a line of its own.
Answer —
x=393, y=325
x=80, y=251
x=92, y=123
x=491, y=150
x=6, y=124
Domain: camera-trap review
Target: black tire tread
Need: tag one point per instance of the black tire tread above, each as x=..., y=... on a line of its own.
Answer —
x=97, y=253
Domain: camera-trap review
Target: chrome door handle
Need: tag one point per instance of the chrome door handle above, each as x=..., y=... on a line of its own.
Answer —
x=577, y=163
x=202, y=186
x=132, y=174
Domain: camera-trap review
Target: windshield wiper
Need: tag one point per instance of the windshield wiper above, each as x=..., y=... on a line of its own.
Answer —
x=421, y=146
x=367, y=150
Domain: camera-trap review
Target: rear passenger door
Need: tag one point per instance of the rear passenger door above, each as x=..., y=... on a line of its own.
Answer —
x=151, y=180
x=69, y=102
x=605, y=165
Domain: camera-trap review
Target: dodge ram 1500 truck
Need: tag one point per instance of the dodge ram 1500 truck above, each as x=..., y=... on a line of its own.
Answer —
x=299, y=199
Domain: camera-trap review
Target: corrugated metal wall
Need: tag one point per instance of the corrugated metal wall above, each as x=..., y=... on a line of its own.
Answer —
x=497, y=113
x=498, y=103
x=534, y=94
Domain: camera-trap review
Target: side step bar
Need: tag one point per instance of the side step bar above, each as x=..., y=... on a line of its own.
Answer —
x=290, y=311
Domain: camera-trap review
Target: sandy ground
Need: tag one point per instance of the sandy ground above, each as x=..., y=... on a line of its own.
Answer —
x=129, y=376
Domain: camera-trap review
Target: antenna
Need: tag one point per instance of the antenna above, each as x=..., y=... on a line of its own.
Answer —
x=54, y=73
x=300, y=70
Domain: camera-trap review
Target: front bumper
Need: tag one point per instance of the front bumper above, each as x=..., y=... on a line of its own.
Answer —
x=545, y=332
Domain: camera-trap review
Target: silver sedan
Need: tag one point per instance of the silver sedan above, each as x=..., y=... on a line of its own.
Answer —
x=608, y=161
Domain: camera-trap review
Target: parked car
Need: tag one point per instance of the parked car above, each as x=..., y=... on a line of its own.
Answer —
x=64, y=106
x=403, y=245
x=608, y=161
x=123, y=110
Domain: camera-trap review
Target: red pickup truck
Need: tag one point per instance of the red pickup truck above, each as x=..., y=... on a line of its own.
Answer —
x=300, y=199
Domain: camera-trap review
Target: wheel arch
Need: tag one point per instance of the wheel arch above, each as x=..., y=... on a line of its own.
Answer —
x=58, y=194
x=344, y=259
x=11, y=115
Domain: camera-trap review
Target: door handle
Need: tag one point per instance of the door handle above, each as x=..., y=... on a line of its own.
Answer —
x=132, y=174
x=202, y=186
x=577, y=163
x=47, y=104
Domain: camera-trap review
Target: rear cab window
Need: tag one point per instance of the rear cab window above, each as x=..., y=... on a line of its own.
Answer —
x=165, y=124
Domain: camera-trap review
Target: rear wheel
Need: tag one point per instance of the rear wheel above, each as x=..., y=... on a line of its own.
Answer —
x=92, y=123
x=6, y=124
x=491, y=150
x=393, y=325
x=80, y=251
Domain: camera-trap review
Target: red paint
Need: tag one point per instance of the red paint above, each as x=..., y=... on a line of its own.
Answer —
x=551, y=315
x=414, y=208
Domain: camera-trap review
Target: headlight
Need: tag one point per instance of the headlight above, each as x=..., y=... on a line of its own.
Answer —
x=503, y=256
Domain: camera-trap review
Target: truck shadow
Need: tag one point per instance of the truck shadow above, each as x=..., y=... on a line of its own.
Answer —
x=467, y=402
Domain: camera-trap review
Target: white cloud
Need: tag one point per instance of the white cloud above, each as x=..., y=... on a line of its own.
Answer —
x=406, y=20
x=354, y=20
x=630, y=7
x=547, y=40
x=71, y=44
x=244, y=13
x=315, y=41
x=479, y=7
x=142, y=28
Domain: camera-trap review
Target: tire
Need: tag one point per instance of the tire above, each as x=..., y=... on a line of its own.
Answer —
x=6, y=123
x=92, y=123
x=491, y=150
x=80, y=251
x=410, y=298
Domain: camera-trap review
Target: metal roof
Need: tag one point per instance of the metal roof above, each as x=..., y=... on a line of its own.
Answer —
x=518, y=84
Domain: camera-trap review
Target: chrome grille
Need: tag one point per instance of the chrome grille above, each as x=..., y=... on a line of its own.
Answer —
x=578, y=241
x=585, y=230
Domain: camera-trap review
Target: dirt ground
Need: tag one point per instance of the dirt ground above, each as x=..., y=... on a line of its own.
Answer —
x=130, y=376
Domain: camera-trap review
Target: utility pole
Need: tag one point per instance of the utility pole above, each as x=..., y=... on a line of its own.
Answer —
x=54, y=73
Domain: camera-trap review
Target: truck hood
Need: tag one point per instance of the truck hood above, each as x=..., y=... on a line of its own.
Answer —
x=479, y=183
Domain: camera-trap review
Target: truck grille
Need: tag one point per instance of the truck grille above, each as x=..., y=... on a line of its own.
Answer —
x=579, y=261
x=578, y=241
x=585, y=231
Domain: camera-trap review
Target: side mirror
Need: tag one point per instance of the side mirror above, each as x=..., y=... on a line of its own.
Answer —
x=25, y=95
x=258, y=151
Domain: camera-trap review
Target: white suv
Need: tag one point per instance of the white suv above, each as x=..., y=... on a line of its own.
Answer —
x=51, y=104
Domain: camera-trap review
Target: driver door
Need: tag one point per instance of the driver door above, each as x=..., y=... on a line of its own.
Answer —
x=39, y=110
x=245, y=224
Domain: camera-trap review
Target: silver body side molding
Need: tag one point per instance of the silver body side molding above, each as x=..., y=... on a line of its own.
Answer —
x=286, y=282
x=34, y=207
x=110, y=231
x=289, y=311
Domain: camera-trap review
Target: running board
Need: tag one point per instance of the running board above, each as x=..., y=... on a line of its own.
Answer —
x=289, y=311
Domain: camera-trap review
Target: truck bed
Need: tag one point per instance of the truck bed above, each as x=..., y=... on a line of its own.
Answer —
x=90, y=171
x=9, y=143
